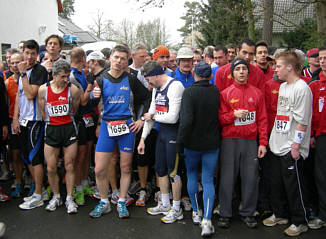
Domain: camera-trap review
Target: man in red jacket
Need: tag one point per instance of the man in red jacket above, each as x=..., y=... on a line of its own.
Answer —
x=318, y=140
x=242, y=115
x=246, y=51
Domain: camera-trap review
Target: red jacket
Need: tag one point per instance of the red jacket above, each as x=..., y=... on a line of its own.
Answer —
x=318, y=89
x=223, y=78
x=243, y=96
x=271, y=96
x=268, y=74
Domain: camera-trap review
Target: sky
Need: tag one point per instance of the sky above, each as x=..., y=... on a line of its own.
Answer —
x=117, y=10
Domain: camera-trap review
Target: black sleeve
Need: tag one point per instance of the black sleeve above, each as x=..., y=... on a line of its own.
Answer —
x=4, y=118
x=141, y=94
x=186, y=116
x=39, y=75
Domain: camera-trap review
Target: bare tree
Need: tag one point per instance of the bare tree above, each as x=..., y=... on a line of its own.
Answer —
x=103, y=28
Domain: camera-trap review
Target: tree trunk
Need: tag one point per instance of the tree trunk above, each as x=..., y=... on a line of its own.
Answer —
x=251, y=21
x=268, y=21
x=320, y=9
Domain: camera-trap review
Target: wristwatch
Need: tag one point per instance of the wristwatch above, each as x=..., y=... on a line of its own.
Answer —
x=142, y=118
x=23, y=74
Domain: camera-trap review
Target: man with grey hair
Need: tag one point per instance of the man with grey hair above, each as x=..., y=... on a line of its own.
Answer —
x=59, y=100
x=9, y=52
x=138, y=55
x=173, y=60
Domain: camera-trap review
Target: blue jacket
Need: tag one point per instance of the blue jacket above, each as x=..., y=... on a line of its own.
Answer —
x=186, y=80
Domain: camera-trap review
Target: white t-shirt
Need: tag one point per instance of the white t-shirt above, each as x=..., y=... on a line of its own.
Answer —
x=294, y=106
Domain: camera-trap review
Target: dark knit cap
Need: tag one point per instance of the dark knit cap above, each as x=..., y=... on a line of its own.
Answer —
x=236, y=62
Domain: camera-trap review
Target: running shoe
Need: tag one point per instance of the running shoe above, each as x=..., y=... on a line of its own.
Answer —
x=53, y=204
x=18, y=191
x=316, y=223
x=3, y=197
x=186, y=203
x=134, y=187
x=159, y=209
x=13, y=186
x=217, y=210
x=31, y=204
x=172, y=216
x=88, y=191
x=196, y=217
x=31, y=189
x=272, y=221
x=71, y=206
x=96, y=194
x=79, y=198
x=115, y=197
x=250, y=222
x=223, y=222
x=207, y=229
x=142, y=197
x=122, y=209
x=27, y=182
x=130, y=200
x=2, y=229
x=48, y=191
x=5, y=176
x=294, y=230
x=100, y=209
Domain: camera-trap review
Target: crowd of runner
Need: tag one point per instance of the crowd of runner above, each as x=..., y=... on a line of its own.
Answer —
x=194, y=130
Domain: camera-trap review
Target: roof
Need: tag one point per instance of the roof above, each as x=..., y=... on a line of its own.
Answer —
x=60, y=8
x=287, y=14
x=67, y=27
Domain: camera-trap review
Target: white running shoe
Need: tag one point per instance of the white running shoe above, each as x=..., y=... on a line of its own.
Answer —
x=71, y=207
x=172, y=216
x=44, y=195
x=196, y=217
x=53, y=204
x=31, y=204
x=207, y=229
x=159, y=209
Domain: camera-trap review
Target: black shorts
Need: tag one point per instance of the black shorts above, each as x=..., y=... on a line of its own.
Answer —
x=60, y=135
x=85, y=134
x=13, y=141
x=148, y=158
x=31, y=140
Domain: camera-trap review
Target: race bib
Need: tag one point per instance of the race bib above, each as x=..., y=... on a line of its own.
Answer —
x=161, y=110
x=88, y=120
x=282, y=124
x=249, y=119
x=23, y=122
x=117, y=128
x=321, y=104
x=58, y=110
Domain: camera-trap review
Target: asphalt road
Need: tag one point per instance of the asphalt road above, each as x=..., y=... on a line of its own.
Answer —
x=38, y=223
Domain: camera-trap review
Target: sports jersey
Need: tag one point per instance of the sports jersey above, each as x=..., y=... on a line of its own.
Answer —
x=307, y=73
x=12, y=89
x=78, y=78
x=294, y=106
x=30, y=109
x=186, y=79
x=58, y=108
x=271, y=95
x=165, y=105
x=318, y=89
x=247, y=97
x=223, y=77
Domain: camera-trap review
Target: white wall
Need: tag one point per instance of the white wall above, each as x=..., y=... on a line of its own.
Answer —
x=23, y=20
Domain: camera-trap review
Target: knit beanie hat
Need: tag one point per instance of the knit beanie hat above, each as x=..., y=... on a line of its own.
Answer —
x=160, y=51
x=236, y=62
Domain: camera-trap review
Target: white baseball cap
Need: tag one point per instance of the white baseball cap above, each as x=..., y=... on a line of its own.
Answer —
x=95, y=55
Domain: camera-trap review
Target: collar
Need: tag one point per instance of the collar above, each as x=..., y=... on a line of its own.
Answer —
x=240, y=86
x=202, y=82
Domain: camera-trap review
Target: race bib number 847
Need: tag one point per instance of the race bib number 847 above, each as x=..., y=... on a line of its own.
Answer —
x=282, y=123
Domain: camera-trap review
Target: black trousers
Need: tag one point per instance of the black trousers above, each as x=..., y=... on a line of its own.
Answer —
x=286, y=188
x=320, y=174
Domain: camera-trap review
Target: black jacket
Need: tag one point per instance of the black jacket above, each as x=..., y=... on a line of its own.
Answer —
x=199, y=128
